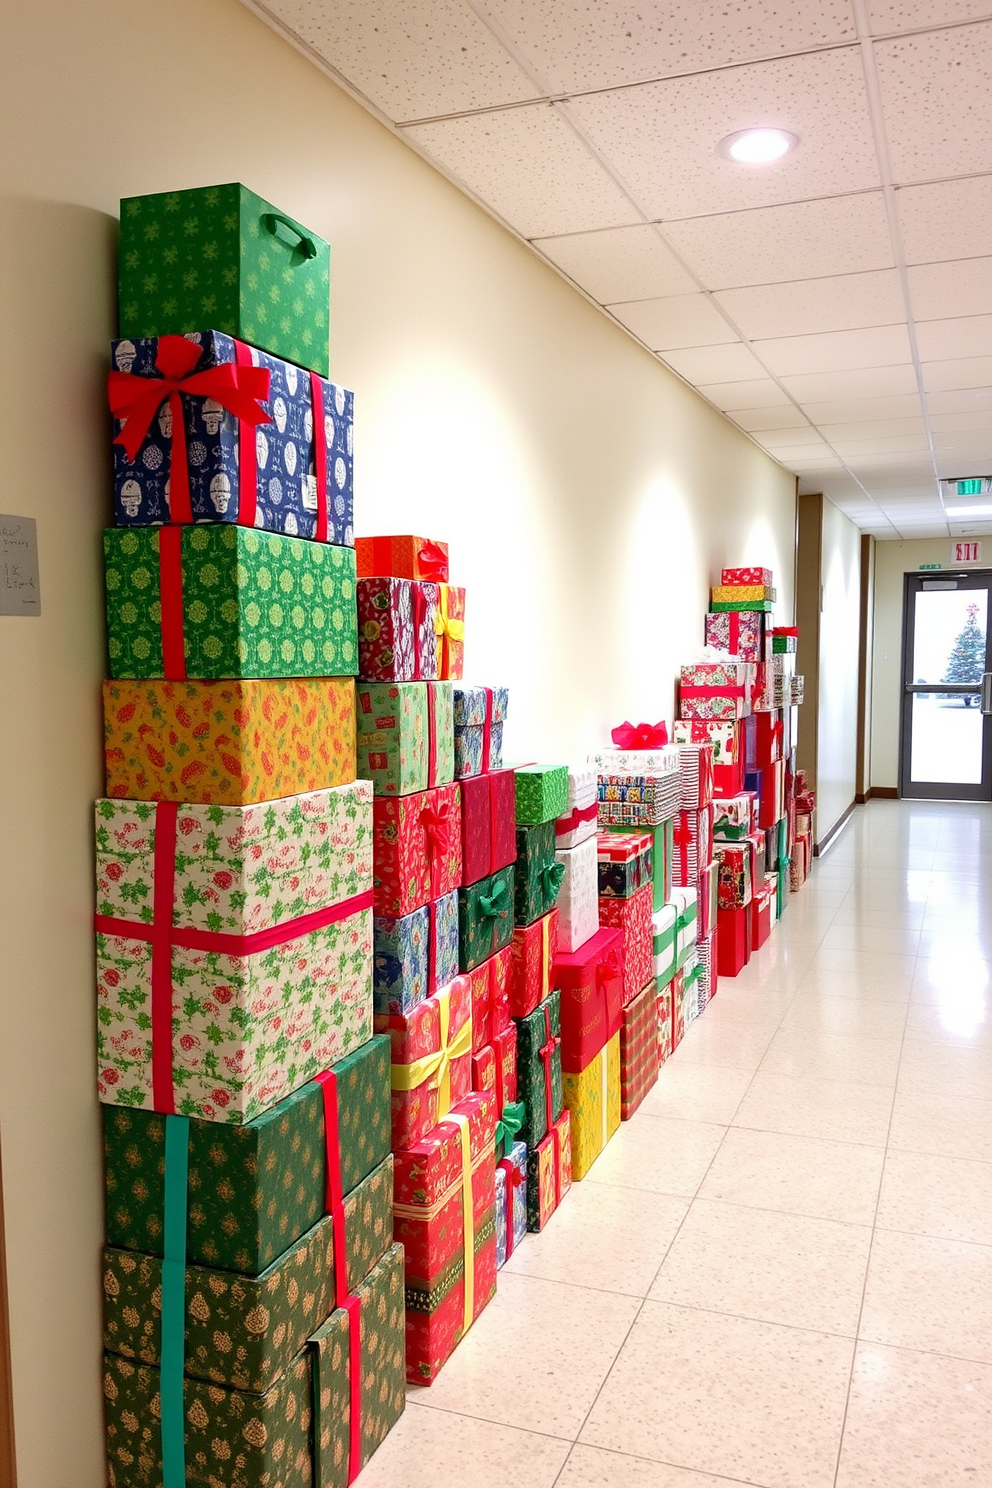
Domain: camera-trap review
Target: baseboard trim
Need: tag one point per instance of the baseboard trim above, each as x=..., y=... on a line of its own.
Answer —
x=877, y=793
x=823, y=843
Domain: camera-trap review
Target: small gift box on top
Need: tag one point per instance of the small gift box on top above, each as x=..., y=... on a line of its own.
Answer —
x=480, y=713
x=541, y=793
x=405, y=736
x=402, y=557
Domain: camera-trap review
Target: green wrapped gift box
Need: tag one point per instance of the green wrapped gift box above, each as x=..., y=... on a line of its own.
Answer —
x=223, y=257
x=537, y=875
x=406, y=736
x=217, y=600
x=485, y=919
x=253, y=1190
x=533, y=1067
x=542, y=793
x=297, y=1433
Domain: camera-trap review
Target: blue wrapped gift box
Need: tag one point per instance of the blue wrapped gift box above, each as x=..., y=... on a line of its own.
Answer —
x=515, y=1164
x=472, y=705
x=402, y=954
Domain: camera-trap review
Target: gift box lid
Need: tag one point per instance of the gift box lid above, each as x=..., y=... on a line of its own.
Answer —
x=393, y=555
x=470, y=705
x=746, y=576
x=622, y=847
x=572, y=966
x=645, y=764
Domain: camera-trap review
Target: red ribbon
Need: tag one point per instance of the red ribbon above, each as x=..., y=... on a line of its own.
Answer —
x=682, y=838
x=247, y=454
x=514, y=1178
x=432, y=562
x=436, y=823
x=487, y=732
x=641, y=736
x=575, y=818
x=418, y=605
x=735, y=632
x=135, y=400
x=431, y=737
x=546, y=1055
x=170, y=593
x=334, y=1205
x=319, y=456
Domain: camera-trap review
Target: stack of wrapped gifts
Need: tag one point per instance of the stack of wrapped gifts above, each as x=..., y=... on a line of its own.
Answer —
x=253, y=1295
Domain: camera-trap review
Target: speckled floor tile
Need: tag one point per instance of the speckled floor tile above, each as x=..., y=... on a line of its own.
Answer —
x=950, y=1198
x=659, y=1153
x=798, y=1175
x=697, y=1093
x=846, y=1017
x=591, y=1467
x=822, y=1056
x=929, y=1294
x=834, y=1110
x=942, y=1123
x=438, y=1449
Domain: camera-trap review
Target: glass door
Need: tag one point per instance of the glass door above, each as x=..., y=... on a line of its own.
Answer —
x=947, y=685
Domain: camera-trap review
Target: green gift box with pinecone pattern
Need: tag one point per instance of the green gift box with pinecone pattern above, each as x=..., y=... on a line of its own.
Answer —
x=537, y=875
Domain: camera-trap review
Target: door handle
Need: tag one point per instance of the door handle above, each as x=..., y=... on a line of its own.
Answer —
x=987, y=693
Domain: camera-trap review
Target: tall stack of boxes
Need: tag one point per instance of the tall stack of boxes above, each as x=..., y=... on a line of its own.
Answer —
x=253, y=1319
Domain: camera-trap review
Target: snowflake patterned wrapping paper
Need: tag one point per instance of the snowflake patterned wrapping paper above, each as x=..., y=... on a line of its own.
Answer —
x=261, y=975
x=220, y=255
x=734, y=875
x=396, y=638
x=716, y=690
x=418, y=849
x=255, y=1189
x=405, y=736
x=578, y=897
x=537, y=875
x=639, y=1059
x=490, y=998
x=592, y=1100
x=485, y=919
x=511, y=1202
x=746, y=576
x=632, y=917
x=539, y=1068
x=217, y=601
x=549, y=1173
x=624, y=863
x=489, y=836
x=480, y=713
x=590, y=985
x=271, y=473
x=431, y=1054
x=693, y=846
x=228, y=743
x=402, y=557
x=580, y=818
x=414, y=955
x=532, y=959
x=696, y=776
x=541, y=793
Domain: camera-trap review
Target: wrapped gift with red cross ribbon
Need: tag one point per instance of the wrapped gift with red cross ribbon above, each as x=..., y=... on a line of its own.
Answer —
x=633, y=918
x=511, y=1202
x=693, y=846
x=489, y=824
x=716, y=690
x=402, y=557
x=431, y=1060
x=532, y=954
x=742, y=633
x=417, y=849
x=490, y=998
x=539, y=1068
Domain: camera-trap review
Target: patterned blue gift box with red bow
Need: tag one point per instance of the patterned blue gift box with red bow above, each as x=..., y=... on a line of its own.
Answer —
x=511, y=1202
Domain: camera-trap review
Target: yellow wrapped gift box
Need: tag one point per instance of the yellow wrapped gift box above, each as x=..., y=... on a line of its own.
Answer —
x=592, y=1099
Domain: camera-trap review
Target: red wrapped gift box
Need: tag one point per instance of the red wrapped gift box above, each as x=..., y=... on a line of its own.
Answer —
x=549, y=1172
x=761, y=916
x=494, y=1068
x=706, y=900
x=692, y=850
x=532, y=952
x=638, y=1050
x=736, y=576
x=489, y=824
x=490, y=998
x=402, y=557
x=444, y=1198
x=768, y=734
x=417, y=849
x=397, y=641
x=431, y=1060
x=632, y=917
x=590, y=981
x=733, y=941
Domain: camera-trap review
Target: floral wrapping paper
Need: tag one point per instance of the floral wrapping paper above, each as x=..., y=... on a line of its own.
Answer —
x=740, y=632
x=639, y=1057
x=402, y=949
x=402, y=557
x=511, y=1201
x=532, y=960
x=489, y=831
x=470, y=729
x=537, y=875
x=228, y=743
x=578, y=897
x=695, y=775
x=625, y=863
x=715, y=690
x=693, y=846
x=746, y=576
x=490, y=998
x=494, y=1068
x=663, y=761
x=632, y=917
x=733, y=818
x=415, y=1037
x=255, y=1189
x=532, y=1068
x=763, y=695
x=418, y=849
x=402, y=727
x=579, y=821
x=549, y=1173
x=590, y=984
x=485, y=919
x=664, y=1010
x=286, y=484
x=541, y=793
x=664, y=932
x=253, y=604
x=396, y=637
x=733, y=940
x=592, y=1099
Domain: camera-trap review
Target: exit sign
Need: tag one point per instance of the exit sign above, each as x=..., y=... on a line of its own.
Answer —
x=966, y=552
x=931, y=565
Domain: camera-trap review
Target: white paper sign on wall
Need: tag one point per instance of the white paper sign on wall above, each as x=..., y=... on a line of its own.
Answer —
x=966, y=552
x=20, y=593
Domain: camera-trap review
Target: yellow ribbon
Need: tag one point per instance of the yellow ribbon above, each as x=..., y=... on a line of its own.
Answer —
x=410, y=1076
x=446, y=629
x=468, y=1220
x=606, y=1081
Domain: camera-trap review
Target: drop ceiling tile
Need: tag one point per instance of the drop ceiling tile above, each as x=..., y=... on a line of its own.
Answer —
x=835, y=351
x=758, y=392
x=868, y=382
x=964, y=336
x=977, y=420
x=957, y=467
x=941, y=290
x=676, y=322
x=707, y=364
x=946, y=220
x=937, y=100
x=788, y=437
x=575, y=47
x=530, y=168
x=794, y=457
x=853, y=450
x=837, y=303
x=619, y=263
x=964, y=372
x=804, y=240
x=787, y=417
x=963, y=400
x=885, y=16
x=411, y=58
x=873, y=429
x=679, y=172
x=855, y=410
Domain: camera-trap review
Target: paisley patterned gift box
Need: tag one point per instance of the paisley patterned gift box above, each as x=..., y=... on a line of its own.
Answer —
x=264, y=276
x=489, y=839
x=542, y=793
x=592, y=1100
x=485, y=919
x=511, y=1202
x=632, y=917
x=236, y=445
x=418, y=849
x=549, y=1172
x=414, y=955
x=480, y=713
x=405, y=736
x=578, y=897
x=639, y=1059
x=255, y=1189
x=539, y=1068
x=532, y=953
x=228, y=743
x=740, y=632
x=537, y=875
x=431, y=1060
x=402, y=557
x=234, y=949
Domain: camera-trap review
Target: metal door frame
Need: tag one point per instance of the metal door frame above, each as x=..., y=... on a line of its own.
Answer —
x=975, y=578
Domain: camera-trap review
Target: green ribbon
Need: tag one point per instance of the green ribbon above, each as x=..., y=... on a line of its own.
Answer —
x=551, y=877
x=172, y=1354
x=509, y=1126
x=497, y=904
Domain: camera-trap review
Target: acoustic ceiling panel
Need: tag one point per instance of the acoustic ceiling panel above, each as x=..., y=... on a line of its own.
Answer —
x=937, y=100
x=836, y=351
x=838, y=303
x=619, y=263
x=675, y=322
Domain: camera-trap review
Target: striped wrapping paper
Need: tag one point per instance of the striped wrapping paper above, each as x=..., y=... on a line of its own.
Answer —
x=693, y=850
x=695, y=775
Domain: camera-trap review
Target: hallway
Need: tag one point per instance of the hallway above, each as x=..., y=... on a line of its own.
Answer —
x=780, y=1272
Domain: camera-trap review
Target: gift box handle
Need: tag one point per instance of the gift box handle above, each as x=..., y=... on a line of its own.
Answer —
x=304, y=245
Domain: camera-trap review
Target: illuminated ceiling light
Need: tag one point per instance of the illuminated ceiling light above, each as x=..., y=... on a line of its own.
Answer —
x=969, y=511
x=757, y=146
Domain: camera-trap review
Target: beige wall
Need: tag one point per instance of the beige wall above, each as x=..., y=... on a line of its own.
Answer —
x=590, y=499
x=840, y=616
x=892, y=561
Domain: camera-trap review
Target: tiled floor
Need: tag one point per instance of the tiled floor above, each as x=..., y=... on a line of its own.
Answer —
x=780, y=1272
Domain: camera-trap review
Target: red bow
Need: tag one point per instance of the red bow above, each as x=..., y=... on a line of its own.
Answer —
x=436, y=822
x=608, y=970
x=641, y=736
x=432, y=561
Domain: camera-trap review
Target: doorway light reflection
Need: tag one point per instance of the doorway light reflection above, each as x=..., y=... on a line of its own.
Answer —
x=961, y=976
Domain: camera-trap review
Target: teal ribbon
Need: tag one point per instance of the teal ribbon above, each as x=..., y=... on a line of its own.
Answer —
x=509, y=1126
x=172, y=1354
x=497, y=904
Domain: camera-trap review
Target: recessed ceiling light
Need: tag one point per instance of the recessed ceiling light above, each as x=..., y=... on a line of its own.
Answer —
x=970, y=511
x=757, y=146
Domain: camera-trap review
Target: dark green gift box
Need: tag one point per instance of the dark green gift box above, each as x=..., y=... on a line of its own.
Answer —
x=537, y=876
x=253, y=1190
x=485, y=919
x=532, y=1037
x=223, y=257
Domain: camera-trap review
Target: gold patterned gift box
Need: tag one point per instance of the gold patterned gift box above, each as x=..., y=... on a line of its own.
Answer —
x=592, y=1099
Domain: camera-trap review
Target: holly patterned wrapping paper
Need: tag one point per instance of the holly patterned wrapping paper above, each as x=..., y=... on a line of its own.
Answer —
x=734, y=875
x=538, y=1063
x=625, y=863
x=511, y=1202
x=541, y=793
x=746, y=576
x=733, y=818
x=247, y=1026
x=396, y=637
x=740, y=632
x=402, y=557
x=489, y=833
x=430, y=1210
x=592, y=1099
x=490, y=997
x=228, y=743
x=480, y=713
x=224, y=255
x=549, y=1173
x=405, y=736
x=418, y=849
x=532, y=958
x=431, y=1060
x=663, y=1005
x=485, y=919
x=580, y=818
x=632, y=917
x=414, y=955
x=537, y=875
x=220, y=448
x=590, y=985
x=253, y=1190
x=664, y=934
x=693, y=846
x=716, y=690
x=639, y=1059
x=578, y=897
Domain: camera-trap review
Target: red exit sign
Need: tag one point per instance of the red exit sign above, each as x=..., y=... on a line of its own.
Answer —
x=967, y=552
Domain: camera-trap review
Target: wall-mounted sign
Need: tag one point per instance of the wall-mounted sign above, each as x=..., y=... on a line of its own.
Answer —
x=931, y=565
x=966, y=552
x=19, y=590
